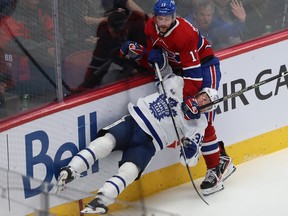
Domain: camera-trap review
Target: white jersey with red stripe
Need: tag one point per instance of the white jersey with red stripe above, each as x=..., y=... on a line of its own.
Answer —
x=185, y=48
x=153, y=116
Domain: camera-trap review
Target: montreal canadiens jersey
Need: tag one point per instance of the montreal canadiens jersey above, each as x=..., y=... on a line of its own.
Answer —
x=153, y=116
x=185, y=48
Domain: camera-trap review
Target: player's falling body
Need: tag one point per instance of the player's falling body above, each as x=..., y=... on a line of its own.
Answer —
x=147, y=130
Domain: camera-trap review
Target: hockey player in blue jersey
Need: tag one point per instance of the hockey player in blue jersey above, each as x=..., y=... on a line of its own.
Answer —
x=147, y=129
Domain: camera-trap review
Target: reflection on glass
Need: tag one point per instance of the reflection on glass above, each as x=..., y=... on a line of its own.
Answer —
x=91, y=33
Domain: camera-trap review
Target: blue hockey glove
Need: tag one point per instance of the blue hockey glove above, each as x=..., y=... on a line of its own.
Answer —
x=157, y=56
x=132, y=50
x=190, y=108
x=190, y=148
x=192, y=152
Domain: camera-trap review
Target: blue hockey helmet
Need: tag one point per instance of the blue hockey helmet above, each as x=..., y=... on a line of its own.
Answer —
x=165, y=8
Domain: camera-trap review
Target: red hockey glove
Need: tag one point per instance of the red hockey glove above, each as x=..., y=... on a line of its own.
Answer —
x=132, y=50
x=190, y=108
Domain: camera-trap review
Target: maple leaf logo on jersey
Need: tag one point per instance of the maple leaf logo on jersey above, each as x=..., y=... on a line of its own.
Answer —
x=160, y=109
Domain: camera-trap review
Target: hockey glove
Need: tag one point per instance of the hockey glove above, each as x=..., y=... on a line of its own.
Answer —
x=190, y=108
x=157, y=56
x=192, y=152
x=132, y=50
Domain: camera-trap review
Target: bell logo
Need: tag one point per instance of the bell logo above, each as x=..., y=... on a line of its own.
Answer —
x=36, y=161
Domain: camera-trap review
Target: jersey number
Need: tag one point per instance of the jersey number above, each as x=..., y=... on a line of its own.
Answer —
x=193, y=56
x=198, y=139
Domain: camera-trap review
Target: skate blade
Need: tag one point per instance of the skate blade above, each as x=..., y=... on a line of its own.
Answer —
x=89, y=210
x=59, y=188
x=229, y=171
x=216, y=188
x=60, y=185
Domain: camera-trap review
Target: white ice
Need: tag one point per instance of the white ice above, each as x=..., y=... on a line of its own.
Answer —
x=258, y=187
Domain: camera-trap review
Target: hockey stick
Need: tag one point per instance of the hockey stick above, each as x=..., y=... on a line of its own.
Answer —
x=235, y=94
x=176, y=131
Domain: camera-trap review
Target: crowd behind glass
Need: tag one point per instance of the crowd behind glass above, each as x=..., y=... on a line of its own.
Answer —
x=90, y=35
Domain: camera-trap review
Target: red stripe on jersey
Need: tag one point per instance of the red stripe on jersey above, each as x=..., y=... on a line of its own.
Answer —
x=213, y=76
x=210, y=117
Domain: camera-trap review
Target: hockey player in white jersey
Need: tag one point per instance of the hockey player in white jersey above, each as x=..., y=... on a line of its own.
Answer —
x=148, y=129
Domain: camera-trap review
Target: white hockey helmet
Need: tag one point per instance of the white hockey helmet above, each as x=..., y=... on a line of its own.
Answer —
x=213, y=95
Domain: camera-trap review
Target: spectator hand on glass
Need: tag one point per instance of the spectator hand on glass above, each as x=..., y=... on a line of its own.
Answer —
x=238, y=10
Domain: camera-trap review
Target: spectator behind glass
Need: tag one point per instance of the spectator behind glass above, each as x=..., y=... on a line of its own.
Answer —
x=229, y=22
x=190, y=15
x=108, y=5
x=35, y=47
x=6, y=81
x=184, y=8
x=120, y=26
x=201, y=17
x=9, y=63
x=283, y=18
x=80, y=19
x=264, y=17
x=37, y=24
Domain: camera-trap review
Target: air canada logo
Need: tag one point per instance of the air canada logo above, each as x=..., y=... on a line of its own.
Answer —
x=160, y=109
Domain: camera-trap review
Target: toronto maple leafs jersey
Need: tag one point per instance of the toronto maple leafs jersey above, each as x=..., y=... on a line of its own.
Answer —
x=152, y=114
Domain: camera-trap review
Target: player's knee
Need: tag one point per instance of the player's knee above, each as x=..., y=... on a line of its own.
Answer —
x=129, y=171
x=102, y=146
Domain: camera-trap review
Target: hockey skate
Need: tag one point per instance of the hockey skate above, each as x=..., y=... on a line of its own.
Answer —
x=96, y=206
x=212, y=182
x=225, y=163
x=67, y=174
x=226, y=167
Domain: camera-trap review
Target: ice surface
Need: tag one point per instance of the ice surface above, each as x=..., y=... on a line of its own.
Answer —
x=258, y=187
